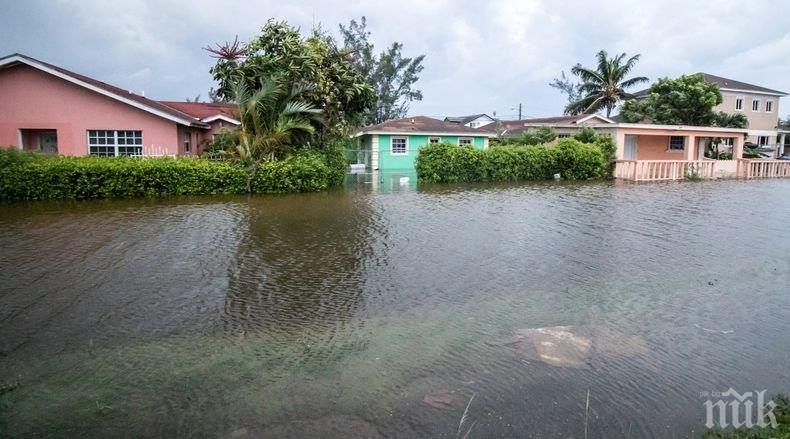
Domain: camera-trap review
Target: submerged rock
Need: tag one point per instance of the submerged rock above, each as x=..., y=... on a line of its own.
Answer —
x=572, y=346
x=445, y=400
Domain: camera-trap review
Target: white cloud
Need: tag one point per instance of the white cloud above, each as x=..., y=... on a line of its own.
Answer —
x=481, y=56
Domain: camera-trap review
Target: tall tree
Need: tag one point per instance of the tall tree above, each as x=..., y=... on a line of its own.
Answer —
x=280, y=52
x=391, y=75
x=687, y=100
x=605, y=85
x=567, y=86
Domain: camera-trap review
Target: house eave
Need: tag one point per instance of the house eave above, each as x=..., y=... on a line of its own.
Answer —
x=220, y=117
x=14, y=59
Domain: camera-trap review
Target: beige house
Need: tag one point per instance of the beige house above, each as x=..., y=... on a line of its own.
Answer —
x=759, y=104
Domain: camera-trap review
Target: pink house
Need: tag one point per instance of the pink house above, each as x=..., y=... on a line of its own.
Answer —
x=50, y=109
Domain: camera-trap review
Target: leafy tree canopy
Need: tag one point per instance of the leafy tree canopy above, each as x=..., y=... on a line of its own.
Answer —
x=391, y=75
x=330, y=82
x=687, y=100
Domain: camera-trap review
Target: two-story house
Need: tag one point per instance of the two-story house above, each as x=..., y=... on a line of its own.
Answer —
x=759, y=104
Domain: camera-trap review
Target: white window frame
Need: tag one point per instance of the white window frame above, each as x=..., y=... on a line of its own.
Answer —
x=470, y=139
x=405, y=145
x=669, y=144
x=115, y=144
x=739, y=100
x=769, y=106
x=756, y=105
x=437, y=138
x=767, y=140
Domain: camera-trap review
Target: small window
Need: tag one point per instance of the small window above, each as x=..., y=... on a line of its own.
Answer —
x=434, y=140
x=677, y=143
x=727, y=141
x=474, y=124
x=187, y=141
x=398, y=146
x=762, y=140
x=739, y=104
x=563, y=136
x=465, y=141
x=756, y=105
x=769, y=106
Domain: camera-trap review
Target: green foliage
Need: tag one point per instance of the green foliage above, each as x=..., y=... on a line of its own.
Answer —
x=604, y=86
x=544, y=134
x=280, y=51
x=273, y=121
x=782, y=430
x=389, y=74
x=586, y=135
x=687, y=100
x=726, y=120
x=30, y=176
x=635, y=110
x=447, y=163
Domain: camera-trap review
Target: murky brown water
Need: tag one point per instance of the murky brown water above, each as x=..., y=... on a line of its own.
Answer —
x=381, y=314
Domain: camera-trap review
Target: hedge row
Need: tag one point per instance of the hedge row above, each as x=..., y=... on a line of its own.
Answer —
x=573, y=160
x=30, y=176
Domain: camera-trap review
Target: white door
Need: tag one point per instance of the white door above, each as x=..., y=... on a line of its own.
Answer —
x=630, y=148
x=701, y=147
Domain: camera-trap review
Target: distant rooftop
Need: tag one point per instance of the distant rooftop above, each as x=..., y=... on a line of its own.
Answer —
x=465, y=119
x=421, y=124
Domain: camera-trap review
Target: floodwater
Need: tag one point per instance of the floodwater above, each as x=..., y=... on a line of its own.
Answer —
x=385, y=310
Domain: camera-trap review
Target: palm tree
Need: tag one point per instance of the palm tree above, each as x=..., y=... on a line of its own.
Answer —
x=604, y=86
x=272, y=120
x=726, y=120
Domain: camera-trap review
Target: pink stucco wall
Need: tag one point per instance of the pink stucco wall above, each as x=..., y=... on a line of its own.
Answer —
x=32, y=99
x=657, y=148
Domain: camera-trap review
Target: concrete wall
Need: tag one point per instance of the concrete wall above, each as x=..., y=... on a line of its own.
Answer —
x=32, y=99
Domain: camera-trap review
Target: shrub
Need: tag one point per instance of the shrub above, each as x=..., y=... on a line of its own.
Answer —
x=586, y=135
x=446, y=163
x=31, y=176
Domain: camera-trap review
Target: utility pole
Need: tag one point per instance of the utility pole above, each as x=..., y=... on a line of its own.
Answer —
x=519, y=111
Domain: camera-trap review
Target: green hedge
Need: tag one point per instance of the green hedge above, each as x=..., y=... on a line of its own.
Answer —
x=30, y=176
x=447, y=163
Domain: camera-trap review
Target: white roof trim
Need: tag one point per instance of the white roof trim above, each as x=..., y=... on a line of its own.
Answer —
x=425, y=133
x=605, y=119
x=221, y=117
x=61, y=75
x=648, y=126
x=754, y=92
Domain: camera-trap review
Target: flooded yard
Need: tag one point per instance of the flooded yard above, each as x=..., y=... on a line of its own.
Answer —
x=383, y=313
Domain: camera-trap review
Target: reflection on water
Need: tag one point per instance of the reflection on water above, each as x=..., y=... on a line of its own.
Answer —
x=379, y=310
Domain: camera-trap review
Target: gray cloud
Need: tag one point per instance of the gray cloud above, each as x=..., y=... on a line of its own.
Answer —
x=481, y=56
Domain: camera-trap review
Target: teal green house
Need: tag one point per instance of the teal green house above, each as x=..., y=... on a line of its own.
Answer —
x=394, y=145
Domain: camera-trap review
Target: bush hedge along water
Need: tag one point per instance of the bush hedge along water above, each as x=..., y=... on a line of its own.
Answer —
x=30, y=176
x=573, y=160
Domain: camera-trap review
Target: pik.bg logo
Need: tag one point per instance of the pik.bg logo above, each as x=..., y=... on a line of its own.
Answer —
x=738, y=410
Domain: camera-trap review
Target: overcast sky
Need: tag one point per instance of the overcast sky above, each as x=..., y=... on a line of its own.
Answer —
x=481, y=56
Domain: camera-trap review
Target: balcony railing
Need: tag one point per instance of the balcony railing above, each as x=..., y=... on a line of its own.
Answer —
x=664, y=170
x=751, y=168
